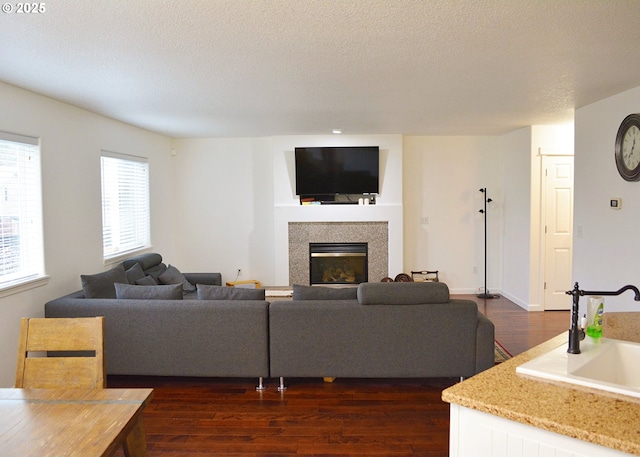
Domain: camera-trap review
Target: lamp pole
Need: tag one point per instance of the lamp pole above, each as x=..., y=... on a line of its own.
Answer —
x=486, y=293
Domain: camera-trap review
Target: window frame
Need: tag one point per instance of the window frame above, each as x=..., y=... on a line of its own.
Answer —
x=141, y=236
x=28, y=182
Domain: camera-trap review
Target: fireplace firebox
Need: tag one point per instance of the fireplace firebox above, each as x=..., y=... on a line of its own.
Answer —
x=338, y=263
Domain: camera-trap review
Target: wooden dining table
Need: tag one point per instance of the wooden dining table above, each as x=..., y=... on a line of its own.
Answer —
x=72, y=422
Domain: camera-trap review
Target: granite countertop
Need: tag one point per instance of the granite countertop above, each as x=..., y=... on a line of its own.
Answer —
x=598, y=417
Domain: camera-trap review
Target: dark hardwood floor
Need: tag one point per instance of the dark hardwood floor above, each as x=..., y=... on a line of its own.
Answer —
x=518, y=330
x=350, y=417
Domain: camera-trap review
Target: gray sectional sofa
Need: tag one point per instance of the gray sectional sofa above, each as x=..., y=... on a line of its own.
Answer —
x=398, y=330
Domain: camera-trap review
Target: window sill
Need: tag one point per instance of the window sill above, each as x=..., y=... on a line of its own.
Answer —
x=23, y=285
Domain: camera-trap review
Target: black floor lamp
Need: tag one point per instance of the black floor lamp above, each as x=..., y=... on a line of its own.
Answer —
x=486, y=293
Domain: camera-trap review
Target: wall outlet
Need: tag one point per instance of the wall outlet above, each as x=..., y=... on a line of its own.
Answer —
x=475, y=269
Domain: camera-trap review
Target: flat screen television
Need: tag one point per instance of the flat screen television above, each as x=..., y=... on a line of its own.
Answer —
x=337, y=170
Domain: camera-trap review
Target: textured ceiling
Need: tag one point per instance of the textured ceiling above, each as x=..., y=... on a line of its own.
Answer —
x=189, y=68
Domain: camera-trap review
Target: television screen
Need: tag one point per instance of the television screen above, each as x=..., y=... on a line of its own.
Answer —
x=337, y=170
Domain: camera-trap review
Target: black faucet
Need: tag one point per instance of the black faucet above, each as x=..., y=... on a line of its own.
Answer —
x=575, y=332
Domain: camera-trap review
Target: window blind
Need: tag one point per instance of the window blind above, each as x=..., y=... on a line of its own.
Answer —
x=21, y=236
x=125, y=203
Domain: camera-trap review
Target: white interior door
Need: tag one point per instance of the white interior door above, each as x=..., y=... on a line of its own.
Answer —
x=558, y=230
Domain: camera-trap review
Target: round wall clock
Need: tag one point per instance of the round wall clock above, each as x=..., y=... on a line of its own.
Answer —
x=628, y=148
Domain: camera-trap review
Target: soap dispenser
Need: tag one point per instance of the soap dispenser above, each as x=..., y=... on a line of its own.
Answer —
x=595, y=309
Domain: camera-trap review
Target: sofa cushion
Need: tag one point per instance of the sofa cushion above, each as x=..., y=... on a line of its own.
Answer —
x=209, y=292
x=173, y=276
x=324, y=293
x=402, y=293
x=162, y=292
x=134, y=273
x=146, y=261
x=101, y=285
x=146, y=281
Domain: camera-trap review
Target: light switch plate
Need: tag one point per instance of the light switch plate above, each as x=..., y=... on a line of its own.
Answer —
x=615, y=203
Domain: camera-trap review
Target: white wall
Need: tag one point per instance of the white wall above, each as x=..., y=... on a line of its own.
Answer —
x=71, y=140
x=515, y=172
x=225, y=211
x=606, y=247
x=238, y=195
x=234, y=190
x=443, y=229
x=521, y=174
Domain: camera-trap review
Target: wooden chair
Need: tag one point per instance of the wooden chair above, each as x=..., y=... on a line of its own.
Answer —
x=83, y=336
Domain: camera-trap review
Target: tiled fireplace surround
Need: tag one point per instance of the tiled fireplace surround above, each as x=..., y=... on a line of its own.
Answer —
x=345, y=223
x=300, y=234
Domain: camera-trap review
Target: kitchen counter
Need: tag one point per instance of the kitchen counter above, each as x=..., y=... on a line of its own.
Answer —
x=593, y=416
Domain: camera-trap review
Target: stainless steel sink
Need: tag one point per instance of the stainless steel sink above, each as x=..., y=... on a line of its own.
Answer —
x=604, y=364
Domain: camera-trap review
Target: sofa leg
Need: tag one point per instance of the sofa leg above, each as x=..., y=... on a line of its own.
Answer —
x=260, y=385
x=281, y=387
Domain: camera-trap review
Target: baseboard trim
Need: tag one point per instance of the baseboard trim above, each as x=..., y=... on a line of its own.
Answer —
x=463, y=291
x=531, y=307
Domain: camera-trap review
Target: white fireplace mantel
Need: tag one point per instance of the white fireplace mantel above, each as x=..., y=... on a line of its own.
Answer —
x=283, y=214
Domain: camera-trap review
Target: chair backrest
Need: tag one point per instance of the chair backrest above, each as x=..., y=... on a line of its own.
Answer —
x=79, y=362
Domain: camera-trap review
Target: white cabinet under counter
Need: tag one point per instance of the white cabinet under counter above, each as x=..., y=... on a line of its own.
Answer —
x=477, y=434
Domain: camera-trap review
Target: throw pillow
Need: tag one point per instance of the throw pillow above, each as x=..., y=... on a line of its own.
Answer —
x=324, y=293
x=209, y=292
x=146, y=281
x=134, y=273
x=165, y=292
x=100, y=285
x=156, y=271
x=173, y=276
x=402, y=293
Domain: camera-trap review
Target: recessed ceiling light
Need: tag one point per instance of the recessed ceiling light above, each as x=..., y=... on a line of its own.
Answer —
x=337, y=131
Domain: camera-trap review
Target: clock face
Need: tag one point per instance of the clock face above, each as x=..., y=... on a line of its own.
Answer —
x=631, y=147
x=628, y=148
